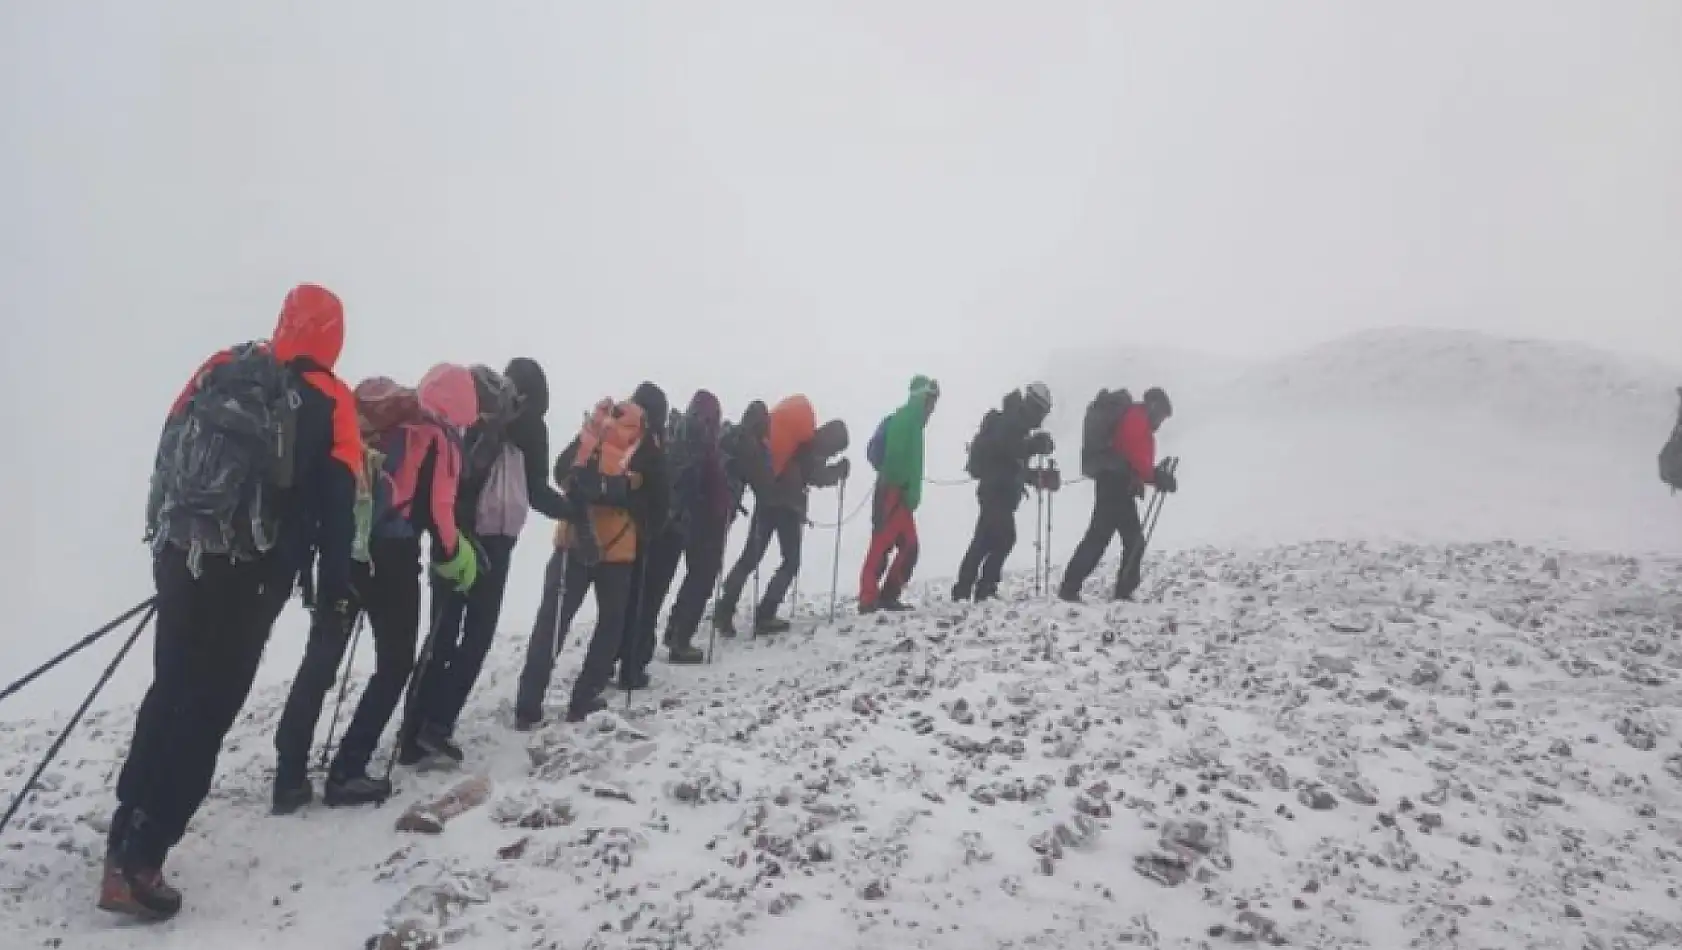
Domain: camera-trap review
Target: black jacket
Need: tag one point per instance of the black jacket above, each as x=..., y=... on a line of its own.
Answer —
x=1000, y=453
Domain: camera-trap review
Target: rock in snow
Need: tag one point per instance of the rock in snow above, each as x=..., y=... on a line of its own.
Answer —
x=1333, y=745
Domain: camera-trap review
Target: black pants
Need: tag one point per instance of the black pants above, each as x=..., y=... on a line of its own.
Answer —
x=995, y=536
x=387, y=592
x=207, y=644
x=650, y=580
x=1115, y=510
x=565, y=581
x=465, y=631
x=703, y=559
x=789, y=527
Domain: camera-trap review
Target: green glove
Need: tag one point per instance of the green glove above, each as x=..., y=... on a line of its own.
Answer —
x=463, y=569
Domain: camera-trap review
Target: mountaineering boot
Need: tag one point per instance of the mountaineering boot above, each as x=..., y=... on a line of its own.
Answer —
x=769, y=625
x=960, y=593
x=895, y=605
x=631, y=682
x=292, y=791
x=525, y=723
x=579, y=712
x=683, y=654
x=141, y=893
x=433, y=742
x=1070, y=596
x=358, y=789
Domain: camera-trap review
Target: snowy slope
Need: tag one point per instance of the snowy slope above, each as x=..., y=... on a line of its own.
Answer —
x=1329, y=745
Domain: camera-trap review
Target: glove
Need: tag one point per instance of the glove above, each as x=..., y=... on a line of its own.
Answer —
x=334, y=618
x=1051, y=479
x=462, y=569
x=1040, y=443
x=844, y=468
x=1164, y=479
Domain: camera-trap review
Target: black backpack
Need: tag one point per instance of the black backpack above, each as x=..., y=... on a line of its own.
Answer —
x=1097, y=438
x=225, y=459
x=976, y=460
x=499, y=404
x=1670, y=457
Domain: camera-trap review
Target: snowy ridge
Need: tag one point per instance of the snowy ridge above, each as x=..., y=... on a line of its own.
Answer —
x=1324, y=745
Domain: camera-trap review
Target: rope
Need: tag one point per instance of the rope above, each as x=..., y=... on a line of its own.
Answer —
x=835, y=525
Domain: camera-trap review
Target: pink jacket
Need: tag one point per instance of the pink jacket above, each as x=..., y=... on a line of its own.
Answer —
x=447, y=395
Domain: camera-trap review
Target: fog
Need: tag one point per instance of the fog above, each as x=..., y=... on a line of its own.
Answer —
x=765, y=198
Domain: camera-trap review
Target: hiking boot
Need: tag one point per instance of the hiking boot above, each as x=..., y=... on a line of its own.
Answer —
x=630, y=682
x=580, y=711
x=527, y=723
x=409, y=752
x=961, y=594
x=771, y=625
x=683, y=654
x=866, y=608
x=355, y=790
x=291, y=793
x=896, y=605
x=1070, y=596
x=138, y=892
x=725, y=624
x=436, y=743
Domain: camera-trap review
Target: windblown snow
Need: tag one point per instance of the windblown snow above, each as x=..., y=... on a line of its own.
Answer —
x=1422, y=694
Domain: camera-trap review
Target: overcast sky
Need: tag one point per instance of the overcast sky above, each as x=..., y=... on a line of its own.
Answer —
x=766, y=196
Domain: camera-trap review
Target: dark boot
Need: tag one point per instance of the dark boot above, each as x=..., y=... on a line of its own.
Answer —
x=358, y=789
x=525, y=723
x=770, y=625
x=960, y=593
x=138, y=892
x=579, y=712
x=1071, y=596
x=682, y=654
x=630, y=681
x=434, y=743
x=291, y=792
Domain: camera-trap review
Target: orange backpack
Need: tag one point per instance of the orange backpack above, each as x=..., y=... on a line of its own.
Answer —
x=610, y=437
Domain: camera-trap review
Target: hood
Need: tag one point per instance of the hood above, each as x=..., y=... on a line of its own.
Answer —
x=448, y=392
x=792, y=424
x=925, y=392
x=311, y=326
x=652, y=400
x=756, y=418
x=533, y=387
x=705, y=414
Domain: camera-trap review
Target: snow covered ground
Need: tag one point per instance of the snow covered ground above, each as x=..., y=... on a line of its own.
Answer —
x=1320, y=745
x=1404, y=675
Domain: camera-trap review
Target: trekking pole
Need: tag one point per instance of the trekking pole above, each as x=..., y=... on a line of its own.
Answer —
x=1039, y=531
x=1050, y=510
x=344, y=687
x=76, y=719
x=1153, y=511
x=411, y=690
x=835, y=563
x=80, y=645
x=633, y=626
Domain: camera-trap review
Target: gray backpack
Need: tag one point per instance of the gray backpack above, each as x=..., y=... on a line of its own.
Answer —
x=224, y=460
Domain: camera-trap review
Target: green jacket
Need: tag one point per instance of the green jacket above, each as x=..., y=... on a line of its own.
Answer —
x=902, y=443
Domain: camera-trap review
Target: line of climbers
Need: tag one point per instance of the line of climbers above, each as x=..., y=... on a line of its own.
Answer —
x=271, y=473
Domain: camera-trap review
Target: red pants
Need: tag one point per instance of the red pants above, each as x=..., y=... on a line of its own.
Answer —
x=893, y=528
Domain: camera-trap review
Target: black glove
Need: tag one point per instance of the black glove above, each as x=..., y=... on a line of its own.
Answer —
x=1040, y=443
x=844, y=468
x=334, y=618
x=1164, y=479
